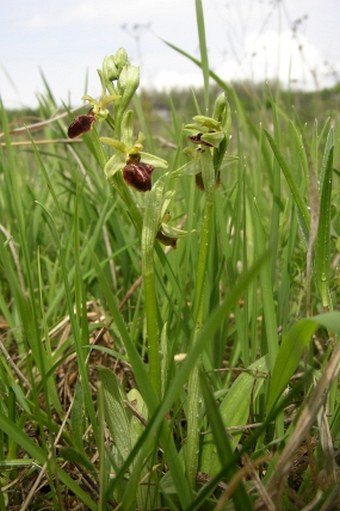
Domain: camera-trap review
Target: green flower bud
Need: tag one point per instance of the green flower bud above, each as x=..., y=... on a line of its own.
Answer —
x=128, y=79
x=128, y=82
x=113, y=64
x=222, y=113
x=221, y=105
x=121, y=58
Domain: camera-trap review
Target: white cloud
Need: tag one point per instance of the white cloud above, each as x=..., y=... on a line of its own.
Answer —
x=36, y=21
x=274, y=56
x=165, y=80
x=104, y=12
x=282, y=56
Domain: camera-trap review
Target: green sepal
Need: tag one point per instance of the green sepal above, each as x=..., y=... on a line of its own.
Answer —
x=114, y=164
x=154, y=160
x=213, y=138
x=202, y=121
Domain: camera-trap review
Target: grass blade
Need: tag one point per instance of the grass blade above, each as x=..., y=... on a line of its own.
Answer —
x=323, y=244
x=37, y=453
x=302, y=208
x=289, y=357
x=291, y=350
x=222, y=442
x=203, y=51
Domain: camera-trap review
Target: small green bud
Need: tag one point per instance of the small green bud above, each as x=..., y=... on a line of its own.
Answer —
x=221, y=105
x=113, y=64
x=128, y=79
x=110, y=70
x=128, y=82
x=222, y=113
x=121, y=58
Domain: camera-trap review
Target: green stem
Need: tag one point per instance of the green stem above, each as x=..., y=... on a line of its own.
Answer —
x=151, y=223
x=208, y=175
x=193, y=410
x=118, y=183
x=151, y=321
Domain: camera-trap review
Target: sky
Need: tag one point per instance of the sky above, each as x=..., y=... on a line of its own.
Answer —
x=297, y=41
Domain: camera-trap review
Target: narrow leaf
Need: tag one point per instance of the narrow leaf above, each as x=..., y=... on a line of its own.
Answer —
x=289, y=356
x=36, y=452
x=292, y=348
x=115, y=412
x=304, y=215
x=323, y=245
x=222, y=442
x=203, y=51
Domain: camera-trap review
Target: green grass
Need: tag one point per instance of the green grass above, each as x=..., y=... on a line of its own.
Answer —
x=135, y=375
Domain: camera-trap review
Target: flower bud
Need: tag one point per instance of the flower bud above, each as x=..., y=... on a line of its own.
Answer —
x=220, y=107
x=127, y=84
x=113, y=64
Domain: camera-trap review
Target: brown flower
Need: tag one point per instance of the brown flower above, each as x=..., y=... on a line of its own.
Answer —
x=81, y=124
x=199, y=180
x=138, y=174
x=166, y=240
x=197, y=139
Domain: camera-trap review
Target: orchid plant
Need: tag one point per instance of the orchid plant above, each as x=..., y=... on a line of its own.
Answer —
x=129, y=169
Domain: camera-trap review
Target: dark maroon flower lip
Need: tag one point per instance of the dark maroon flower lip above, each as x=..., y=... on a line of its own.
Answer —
x=81, y=124
x=197, y=139
x=166, y=240
x=138, y=174
x=199, y=180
